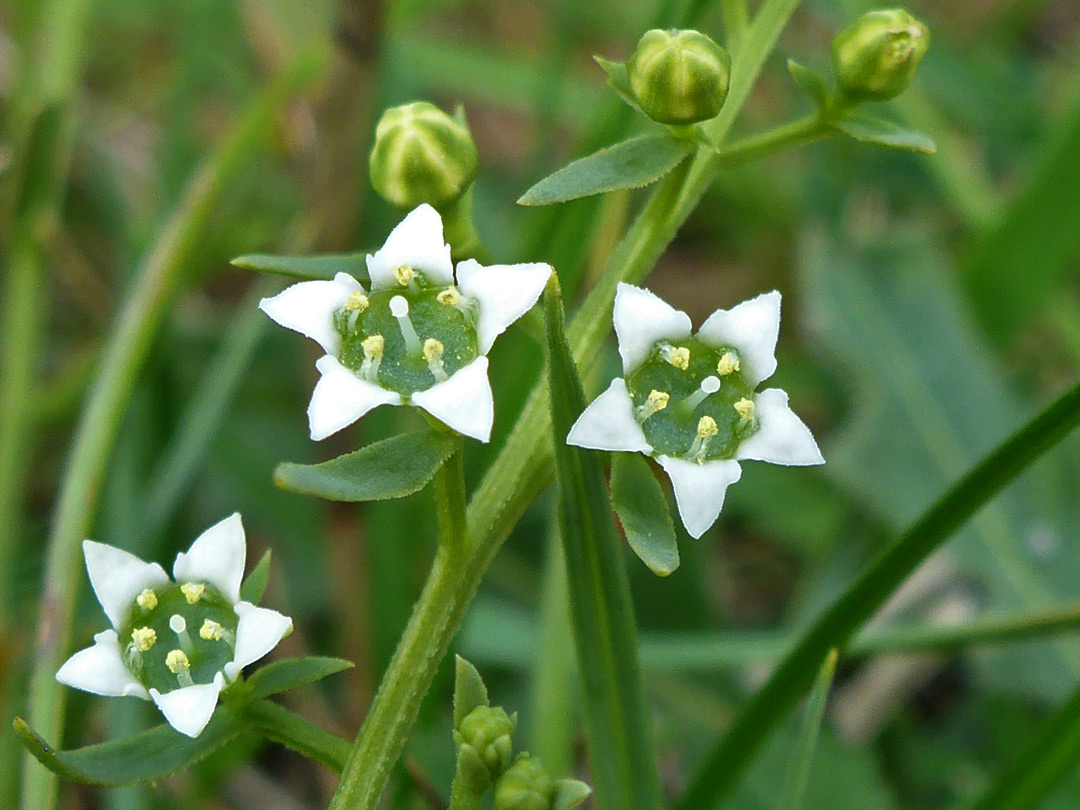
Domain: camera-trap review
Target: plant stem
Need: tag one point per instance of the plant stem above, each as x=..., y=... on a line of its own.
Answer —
x=835, y=627
x=462, y=797
x=122, y=359
x=277, y=723
x=787, y=136
x=736, y=20
x=450, y=501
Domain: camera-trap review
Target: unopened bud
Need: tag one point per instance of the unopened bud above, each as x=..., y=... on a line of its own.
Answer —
x=875, y=58
x=679, y=77
x=422, y=155
x=525, y=786
x=489, y=731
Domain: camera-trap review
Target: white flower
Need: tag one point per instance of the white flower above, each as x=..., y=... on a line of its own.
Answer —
x=690, y=401
x=418, y=337
x=179, y=641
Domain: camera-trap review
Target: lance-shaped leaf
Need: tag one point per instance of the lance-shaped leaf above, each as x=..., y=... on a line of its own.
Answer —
x=281, y=676
x=569, y=793
x=254, y=585
x=810, y=82
x=392, y=468
x=631, y=164
x=145, y=757
x=643, y=511
x=307, y=268
x=879, y=132
x=618, y=723
x=469, y=690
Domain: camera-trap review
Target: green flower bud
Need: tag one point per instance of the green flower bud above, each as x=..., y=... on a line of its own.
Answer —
x=679, y=77
x=489, y=731
x=525, y=786
x=875, y=58
x=422, y=155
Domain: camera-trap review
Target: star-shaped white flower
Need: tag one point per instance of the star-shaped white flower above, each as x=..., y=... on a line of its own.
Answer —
x=178, y=642
x=690, y=401
x=420, y=336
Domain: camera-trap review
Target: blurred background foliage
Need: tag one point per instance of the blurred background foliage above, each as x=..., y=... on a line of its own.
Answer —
x=930, y=305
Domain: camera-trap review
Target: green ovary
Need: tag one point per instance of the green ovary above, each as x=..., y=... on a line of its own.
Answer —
x=446, y=320
x=676, y=429
x=147, y=639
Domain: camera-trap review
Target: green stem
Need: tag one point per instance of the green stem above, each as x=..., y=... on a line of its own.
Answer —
x=122, y=359
x=836, y=626
x=277, y=723
x=736, y=20
x=450, y=501
x=765, y=144
x=462, y=797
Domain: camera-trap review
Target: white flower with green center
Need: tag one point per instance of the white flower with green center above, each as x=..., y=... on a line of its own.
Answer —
x=178, y=642
x=690, y=400
x=419, y=337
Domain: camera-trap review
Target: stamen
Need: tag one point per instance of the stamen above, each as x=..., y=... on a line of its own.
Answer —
x=192, y=591
x=178, y=624
x=433, y=353
x=147, y=600
x=404, y=275
x=656, y=401
x=399, y=308
x=179, y=665
x=373, y=346
x=212, y=631
x=728, y=364
x=357, y=302
x=710, y=385
x=706, y=429
x=677, y=356
x=143, y=638
x=450, y=297
x=745, y=408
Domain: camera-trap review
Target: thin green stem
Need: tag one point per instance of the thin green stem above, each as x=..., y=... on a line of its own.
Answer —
x=808, y=735
x=123, y=358
x=277, y=723
x=450, y=501
x=835, y=627
x=787, y=136
x=736, y=18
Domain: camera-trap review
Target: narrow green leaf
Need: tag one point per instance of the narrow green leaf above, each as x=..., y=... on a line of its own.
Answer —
x=146, y=757
x=569, y=793
x=306, y=268
x=807, y=741
x=469, y=689
x=618, y=723
x=255, y=583
x=810, y=82
x=879, y=132
x=619, y=80
x=643, y=511
x=392, y=468
x=281, y=676
x=633, y=163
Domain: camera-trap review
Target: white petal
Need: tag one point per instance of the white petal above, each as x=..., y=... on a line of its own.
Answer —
x=257, y=633
x=100, y=670
x=464, y=402
x=700, y=489
x=505, y=292
x=118, y=577
x=782, y=437
x=189, y=709
x=417, y=241
x=608, y=423
x=308, y=308
x=340, y=398
x=217, y=556
x=641, y=319
x=751, y=328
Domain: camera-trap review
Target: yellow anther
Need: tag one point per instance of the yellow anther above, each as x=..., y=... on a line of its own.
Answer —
x=728, y=364
x=745, y=408
x=147, y=600
x=433, y=350
x=177, y=662
x=657, y=400
x=404, y=275
x=143, y=638
x=680, y=358
x=706, y=427
x=449, y=297
x=373, y=345
x=192, y=591
x=356, y=302
x=211, y=631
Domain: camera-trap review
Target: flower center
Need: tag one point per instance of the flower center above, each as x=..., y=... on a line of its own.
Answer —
x=178, y=636
x=409, y=338
x=692, y=401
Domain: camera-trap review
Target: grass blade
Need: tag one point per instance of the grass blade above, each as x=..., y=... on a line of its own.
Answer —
x=808, y=734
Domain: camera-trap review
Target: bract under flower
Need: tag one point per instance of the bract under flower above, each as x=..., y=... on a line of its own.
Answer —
x=690, y=401
x=176, y=641
x=420, y=336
